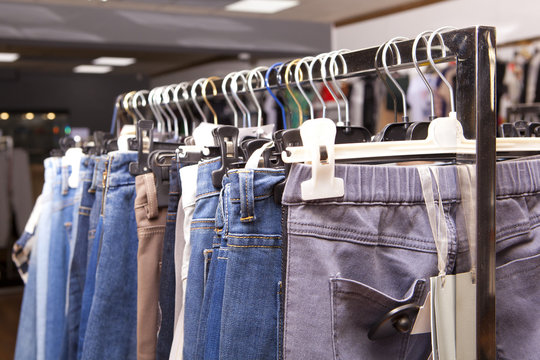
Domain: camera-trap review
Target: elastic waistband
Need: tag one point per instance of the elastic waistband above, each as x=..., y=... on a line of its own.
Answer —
x=204, y=177
x=401, y=184
x=118, y=168
x=262, y=181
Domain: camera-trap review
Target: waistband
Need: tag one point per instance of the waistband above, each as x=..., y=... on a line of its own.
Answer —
x=205, y=187
x=100, y=163
x=260, y=182
x=118, y=168
x=401, y=184
x=53, y=169
x=87, y=168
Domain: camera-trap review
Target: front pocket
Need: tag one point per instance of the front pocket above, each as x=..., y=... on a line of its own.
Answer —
x=357, y=307
x=518, y=309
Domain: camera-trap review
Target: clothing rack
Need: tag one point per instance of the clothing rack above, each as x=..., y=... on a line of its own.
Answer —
x=473, y=50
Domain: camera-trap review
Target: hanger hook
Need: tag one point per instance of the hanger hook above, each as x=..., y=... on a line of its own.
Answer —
x=267, y=85
x=194, y=86
x=252, y=73
x=166, y=102
x=334, y=70
x=330, y=90
x=125, y=105
x=299, y=77
x=214, y=92
x=318, y=59
x=161, y=100
x=155, y=112
x=298, y=106
x=422, y=76
x=389, y=43
x=135, y=103
x=183, y=86
x=246, y=115
x=227, y=97
x=430, y=58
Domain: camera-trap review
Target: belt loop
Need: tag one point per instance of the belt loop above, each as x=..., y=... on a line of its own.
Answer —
x=152, y=210
x=95, y=176
x=65, y=177
x=247, y=198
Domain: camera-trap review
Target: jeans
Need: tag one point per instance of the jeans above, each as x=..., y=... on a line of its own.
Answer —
x=151, y=222
x=95, y=225
x=167, y=283
x=201, y=236
x=251, y=254
x=111, y=329
x=77, y=273
x=351, y=260
x=61, y=219
x=32, y=316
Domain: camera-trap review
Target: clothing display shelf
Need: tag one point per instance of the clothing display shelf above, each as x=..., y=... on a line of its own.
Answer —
x=473, y=51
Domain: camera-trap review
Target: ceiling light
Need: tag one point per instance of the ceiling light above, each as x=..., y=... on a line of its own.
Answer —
x=114, y=61
x=9, y=57
x=29, y=116
x=4, y=116
x=92, y=69
x=262, y=6
x=51, y=116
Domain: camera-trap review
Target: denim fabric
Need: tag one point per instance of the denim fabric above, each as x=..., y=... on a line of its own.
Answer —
x=27, y=333
x=252, y=234
x=151, y=221
x=208, y=336
x=201, y=236
x=61, y=219
x=167, y=284
x=353, y=259
x=111, y=329
x=53, y=176
x=77, y=274
x=95, y=224
x=20, y=254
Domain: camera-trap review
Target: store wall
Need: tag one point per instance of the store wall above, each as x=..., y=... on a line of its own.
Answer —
x=89, y=99
x=514, y=20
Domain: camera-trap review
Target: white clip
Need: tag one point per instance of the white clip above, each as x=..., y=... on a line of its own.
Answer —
x=318, y=136
x=72, y=158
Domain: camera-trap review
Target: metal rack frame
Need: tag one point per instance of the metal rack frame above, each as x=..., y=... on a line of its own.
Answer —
x=473, y=50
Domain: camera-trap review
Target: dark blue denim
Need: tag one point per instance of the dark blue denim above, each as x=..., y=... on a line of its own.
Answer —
x=61, y=219
x=202, y=235
x=32, y=315
x=111, y=329
x=216, y=281
x=252, y=232
x=95, y=223
x=79, y=259
x=167, y=283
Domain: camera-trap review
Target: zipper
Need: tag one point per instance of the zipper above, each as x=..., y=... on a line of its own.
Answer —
x=104, y=183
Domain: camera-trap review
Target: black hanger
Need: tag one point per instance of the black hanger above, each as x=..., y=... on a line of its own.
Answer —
x=227, y=140
x=159, y=161
x=289, y=137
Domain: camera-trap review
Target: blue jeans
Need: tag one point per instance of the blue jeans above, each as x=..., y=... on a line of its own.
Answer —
x=111, y=329
x=351, y=260
x=32, y=316
x=61, y=219
x=167, y=285
x=77, y=273
x=201, y=236
x=252, y=234
x=95, y=225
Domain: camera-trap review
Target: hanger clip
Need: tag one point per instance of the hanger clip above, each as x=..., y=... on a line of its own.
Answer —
x=227, y=140
x=145, y=132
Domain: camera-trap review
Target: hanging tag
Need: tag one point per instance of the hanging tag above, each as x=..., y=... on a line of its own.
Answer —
x=444, y=308
x=253, y=161
x=434, y=344
x=264, y=131
x=422, y=324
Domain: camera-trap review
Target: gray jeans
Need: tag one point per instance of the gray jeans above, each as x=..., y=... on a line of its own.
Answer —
x=349, y=261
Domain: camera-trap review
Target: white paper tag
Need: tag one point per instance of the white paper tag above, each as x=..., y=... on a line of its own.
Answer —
x=264, y=131
x=444, y=310
x=465, y=316
x=422, y=324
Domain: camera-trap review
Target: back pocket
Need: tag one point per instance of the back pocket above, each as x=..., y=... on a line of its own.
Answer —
x=518, y=309
x=357, y=307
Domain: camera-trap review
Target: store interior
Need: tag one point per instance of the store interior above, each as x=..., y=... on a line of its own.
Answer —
x=63, y=64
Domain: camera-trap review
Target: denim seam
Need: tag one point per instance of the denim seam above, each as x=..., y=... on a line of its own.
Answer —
x=203, y=221
x=255, y=246
x=202, y=228
x=367, y=242
x=355, y=232
x=208, y=162
x=279, y=172
x=365, y=203
x=207, y=193
x=254, y=236
x=256, y=197
x=521, y=271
